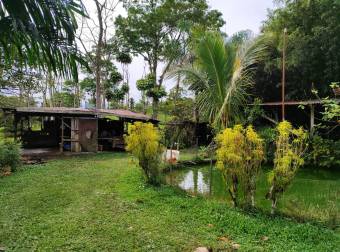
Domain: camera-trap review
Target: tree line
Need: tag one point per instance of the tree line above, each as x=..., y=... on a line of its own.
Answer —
x=67, y=53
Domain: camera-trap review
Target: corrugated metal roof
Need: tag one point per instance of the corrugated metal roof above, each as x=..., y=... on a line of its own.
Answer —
x=121, y=113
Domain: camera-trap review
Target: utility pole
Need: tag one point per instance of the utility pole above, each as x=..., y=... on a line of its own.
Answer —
x=284, y=71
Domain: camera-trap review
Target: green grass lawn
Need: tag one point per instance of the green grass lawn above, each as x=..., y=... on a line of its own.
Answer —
x=100, y=203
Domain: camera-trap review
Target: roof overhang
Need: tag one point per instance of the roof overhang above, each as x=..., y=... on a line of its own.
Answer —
x=79, y=112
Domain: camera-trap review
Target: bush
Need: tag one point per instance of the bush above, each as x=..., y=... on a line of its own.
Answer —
x=9, y=157
x=143, y=142
x=239, y=156
x=324, y=152
x=290, y=146
x=268, y=135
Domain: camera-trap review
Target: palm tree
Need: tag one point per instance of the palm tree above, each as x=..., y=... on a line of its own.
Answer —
x=220, y=75
x=40, y=33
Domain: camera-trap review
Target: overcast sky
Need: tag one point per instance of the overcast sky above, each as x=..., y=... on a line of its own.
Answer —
x=238, y=14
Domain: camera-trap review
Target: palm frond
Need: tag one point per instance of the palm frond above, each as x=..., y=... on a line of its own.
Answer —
x=40, y=34
x=221, y=74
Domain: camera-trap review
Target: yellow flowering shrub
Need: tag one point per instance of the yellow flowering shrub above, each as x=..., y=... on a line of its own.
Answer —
x=290, y=146
x=239, y=156
x=143, y=141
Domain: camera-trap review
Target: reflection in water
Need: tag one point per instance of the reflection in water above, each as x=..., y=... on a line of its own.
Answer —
x=193, y=181
x=203, y=180
x=207, y=181
x=308, y=187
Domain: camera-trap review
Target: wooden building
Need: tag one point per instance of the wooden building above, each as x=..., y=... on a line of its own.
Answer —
x=72, y=129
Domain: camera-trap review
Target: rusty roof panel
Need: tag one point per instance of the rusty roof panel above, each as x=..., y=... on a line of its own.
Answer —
x=121, y=113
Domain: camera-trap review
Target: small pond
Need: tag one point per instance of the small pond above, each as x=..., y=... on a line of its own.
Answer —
x=201, y=180
x=312, y=191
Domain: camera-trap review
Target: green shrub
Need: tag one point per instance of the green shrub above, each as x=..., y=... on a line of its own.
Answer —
x=9, y=154
x=143, y=141
x=324, y=152
x=290, y=146
x=9, y=157
x=239, y=157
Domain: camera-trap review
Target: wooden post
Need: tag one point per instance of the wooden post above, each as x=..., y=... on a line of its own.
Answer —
x=75, y=146
x=312, y=119
x=15, y=127
x=284, y=72
x=62, y=135
x=21, y=127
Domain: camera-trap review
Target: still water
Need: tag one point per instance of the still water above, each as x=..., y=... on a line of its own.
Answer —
x=202, y=180
x=311, y=185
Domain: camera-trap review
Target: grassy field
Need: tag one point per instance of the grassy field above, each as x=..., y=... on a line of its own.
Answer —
x=100, y=203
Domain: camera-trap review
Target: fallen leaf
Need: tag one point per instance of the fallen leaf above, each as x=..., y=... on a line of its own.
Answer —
x=264, y=238
x=224, y=239
x=236, y=246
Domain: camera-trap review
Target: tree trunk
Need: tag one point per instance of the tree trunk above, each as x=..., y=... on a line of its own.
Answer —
x=271, y=195
x=196, y=111
x=274, y=202
x=50, y=89
x=78, y=95
x=99, y=55
x=155, y=105
x=144, y=102
x=177, y=86
x=252, y=200
x=233, y=190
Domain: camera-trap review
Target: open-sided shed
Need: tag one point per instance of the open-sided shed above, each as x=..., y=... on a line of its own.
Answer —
x=72, y=129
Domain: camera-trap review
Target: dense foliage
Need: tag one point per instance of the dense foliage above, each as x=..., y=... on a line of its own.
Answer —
x=324, y=152
x=40, y=34
x=290, y=146
x=9, y=155
x=313, y=49
x=143, y=141
x=239, y=156
x=220, y=76
x=159, y=31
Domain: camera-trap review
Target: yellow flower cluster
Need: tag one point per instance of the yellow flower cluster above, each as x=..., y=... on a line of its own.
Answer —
x=239, y=156
x=290, y=146
x=284, y=128
x=255, y=142
x=229, y=142
x=237, y=146
x=143, y=140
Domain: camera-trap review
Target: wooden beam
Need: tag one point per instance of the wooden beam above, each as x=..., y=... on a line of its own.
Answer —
x=269, y=119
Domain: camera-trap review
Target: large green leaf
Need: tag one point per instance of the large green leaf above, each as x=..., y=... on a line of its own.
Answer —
x=41, y=34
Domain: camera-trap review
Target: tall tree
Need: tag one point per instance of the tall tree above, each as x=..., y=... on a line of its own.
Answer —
x=158, y=30
x=21, y=82
x=94, y=37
